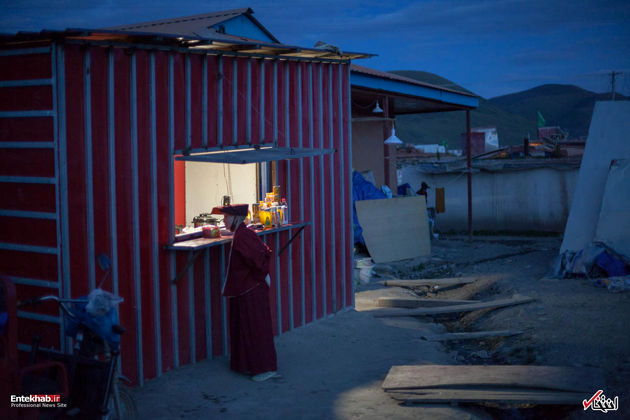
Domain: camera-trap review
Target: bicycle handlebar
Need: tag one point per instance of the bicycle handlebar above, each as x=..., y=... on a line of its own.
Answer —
x=60, y=301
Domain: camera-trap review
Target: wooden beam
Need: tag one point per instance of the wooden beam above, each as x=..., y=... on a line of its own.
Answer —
x=451, y=281
x=512, y=396
x=500, y=303
x=413, y=302
x=472, y=335
x=559, y=378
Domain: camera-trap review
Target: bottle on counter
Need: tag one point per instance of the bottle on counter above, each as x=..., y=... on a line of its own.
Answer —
x=255, y=213
x=274, y=216
x=276, y=193
x=285, y=211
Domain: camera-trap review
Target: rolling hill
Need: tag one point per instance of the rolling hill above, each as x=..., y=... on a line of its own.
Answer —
x=568, y=106
x=514, y=115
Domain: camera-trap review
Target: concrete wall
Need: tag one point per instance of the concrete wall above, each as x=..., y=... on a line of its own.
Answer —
x=608, y=137
x=535, y=199
x=368, y=151
x=367, y=148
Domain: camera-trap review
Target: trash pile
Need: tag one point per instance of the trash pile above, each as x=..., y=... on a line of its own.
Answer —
x=594, y=261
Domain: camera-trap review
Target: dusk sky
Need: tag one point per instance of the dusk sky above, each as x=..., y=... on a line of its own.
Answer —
x=490, y=47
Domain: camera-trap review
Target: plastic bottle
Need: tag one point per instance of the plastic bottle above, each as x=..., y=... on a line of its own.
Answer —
x=285, y=211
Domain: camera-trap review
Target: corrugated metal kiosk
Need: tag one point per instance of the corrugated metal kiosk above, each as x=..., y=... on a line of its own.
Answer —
x=91, y=123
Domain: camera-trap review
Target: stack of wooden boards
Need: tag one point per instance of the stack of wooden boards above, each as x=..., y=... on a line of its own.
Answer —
x=492, y=384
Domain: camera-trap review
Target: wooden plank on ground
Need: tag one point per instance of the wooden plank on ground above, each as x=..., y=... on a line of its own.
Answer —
x=514, y=396
x=468, y=291
x=451, y=281
x=413, y=302
x=395, y=229
x=476, y=335
x=468, y=307
x=558, y=378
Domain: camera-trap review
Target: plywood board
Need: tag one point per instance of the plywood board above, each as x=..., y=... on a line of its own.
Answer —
x=607, y=140
x=454, y=281
x=395, y=229
x=613, y=226
x=511, y=396
x=468, y=307
x=558, y=378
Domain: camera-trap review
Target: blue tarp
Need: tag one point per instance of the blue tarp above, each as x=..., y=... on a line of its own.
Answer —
x=362, y=190
x=612, y=266
x=404, y=189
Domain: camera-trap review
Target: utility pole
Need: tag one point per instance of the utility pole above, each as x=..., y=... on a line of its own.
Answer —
x=469, y=171
x=613, y=74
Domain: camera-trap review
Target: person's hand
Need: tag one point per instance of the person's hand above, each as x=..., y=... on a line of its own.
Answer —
x=268, y=280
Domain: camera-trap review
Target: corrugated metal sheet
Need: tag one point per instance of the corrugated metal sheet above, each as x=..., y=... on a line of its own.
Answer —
x=194, y=25
x=405, y=95
x=354, y=68
x=219, y=43
x=256, y=155
x=494, y=165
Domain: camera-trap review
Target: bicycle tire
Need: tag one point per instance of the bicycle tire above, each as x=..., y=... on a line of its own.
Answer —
x=128, y=408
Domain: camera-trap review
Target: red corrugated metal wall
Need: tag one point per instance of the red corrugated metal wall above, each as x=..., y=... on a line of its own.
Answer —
x=117, y=117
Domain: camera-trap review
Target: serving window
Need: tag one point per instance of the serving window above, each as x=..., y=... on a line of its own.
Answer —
x=245, y=176
x=200, y=186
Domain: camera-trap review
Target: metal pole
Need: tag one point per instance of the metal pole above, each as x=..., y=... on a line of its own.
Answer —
x=386, y=131
x=613, y=74
x=469, y=172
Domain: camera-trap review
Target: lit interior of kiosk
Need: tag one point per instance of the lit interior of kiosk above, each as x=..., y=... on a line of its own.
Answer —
x=204, y=180
x=205, y=185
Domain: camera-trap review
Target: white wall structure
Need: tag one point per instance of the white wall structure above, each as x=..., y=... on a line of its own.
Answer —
x=491, y=137
x=431, y=148
x=608, y=139
x=613, y=227
x=535, y=199
x=207, y=183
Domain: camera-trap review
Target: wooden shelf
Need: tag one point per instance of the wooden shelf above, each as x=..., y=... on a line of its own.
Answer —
x=202, y=243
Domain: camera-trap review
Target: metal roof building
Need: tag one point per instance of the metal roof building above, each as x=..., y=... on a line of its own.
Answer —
x=91, y=122
x=397, y=95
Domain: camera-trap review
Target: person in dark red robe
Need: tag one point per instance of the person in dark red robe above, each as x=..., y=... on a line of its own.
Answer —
x=252, y=350
x=423, y=190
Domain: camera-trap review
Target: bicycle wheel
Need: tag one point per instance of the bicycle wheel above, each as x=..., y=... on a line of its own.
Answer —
x=128, y=408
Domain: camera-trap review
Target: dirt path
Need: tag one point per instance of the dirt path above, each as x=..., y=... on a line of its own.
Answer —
x=332, y=369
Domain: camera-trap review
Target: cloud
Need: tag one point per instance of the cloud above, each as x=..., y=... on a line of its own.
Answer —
x=474, y=43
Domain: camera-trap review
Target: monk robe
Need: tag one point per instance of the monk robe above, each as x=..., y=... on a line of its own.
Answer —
x=252, y=349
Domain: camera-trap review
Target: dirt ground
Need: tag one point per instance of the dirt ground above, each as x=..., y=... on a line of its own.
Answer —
x=570, y=323
x=333, y=368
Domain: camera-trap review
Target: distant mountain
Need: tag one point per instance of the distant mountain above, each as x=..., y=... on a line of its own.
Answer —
x=567, y=106
x=448, y=126
x=514, y=115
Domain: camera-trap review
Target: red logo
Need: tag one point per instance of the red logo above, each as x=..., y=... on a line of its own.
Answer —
x=599, y=402
x=588, y=403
